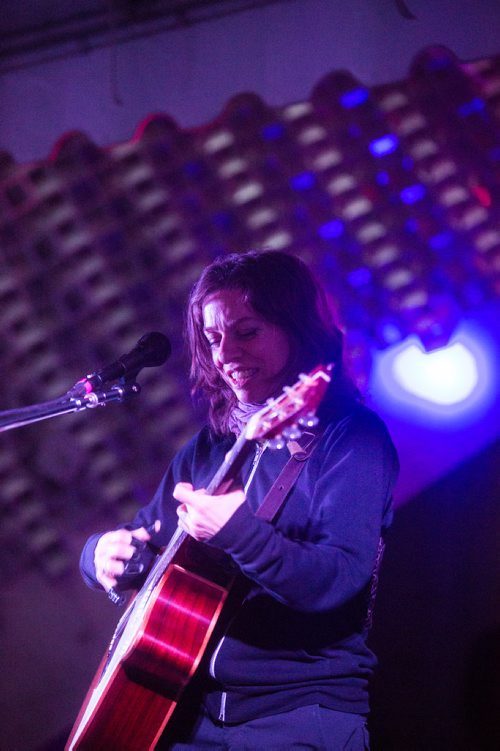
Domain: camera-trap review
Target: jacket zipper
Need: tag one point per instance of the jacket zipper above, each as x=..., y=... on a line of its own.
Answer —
x=222, y=707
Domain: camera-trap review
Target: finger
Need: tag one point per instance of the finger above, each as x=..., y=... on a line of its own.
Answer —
x=141, y=534
x=105, y=576
x=144, y=533
x=184, y=493
x=119, y=551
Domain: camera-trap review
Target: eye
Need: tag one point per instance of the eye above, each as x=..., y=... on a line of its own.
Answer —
x=213, y=343
x=247, y=333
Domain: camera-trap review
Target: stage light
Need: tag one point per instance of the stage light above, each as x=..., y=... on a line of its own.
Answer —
x=218, y=141
x=331, y=230
x=384, y=145
x=273, y=132
x=440, y=241
x=303, y=181
x=445, y=376
x=452, y=384
x=353, y=98
x=474, y=105
x=382, y=178
x=361, y=277
x=389, y=332
x=412, y=193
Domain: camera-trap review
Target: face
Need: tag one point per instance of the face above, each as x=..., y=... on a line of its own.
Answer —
x=251, y=354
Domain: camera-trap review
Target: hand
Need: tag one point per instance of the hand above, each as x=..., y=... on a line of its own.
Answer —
x=202, y=515
x=112, y=552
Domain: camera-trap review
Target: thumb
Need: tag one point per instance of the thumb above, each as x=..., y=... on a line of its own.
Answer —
x=182, y=490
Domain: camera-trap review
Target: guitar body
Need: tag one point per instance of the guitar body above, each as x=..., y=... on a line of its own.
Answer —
x=164, y=632
x=134, y=694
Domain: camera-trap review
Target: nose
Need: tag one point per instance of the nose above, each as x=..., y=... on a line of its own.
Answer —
x=227, y=350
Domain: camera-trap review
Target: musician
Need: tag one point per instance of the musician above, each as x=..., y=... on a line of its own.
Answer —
x=293, y=667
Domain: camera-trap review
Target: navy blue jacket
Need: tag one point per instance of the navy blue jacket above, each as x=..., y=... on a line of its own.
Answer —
x=300, y=635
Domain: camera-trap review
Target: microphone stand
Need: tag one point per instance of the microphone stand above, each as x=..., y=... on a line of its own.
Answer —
x=16, y=418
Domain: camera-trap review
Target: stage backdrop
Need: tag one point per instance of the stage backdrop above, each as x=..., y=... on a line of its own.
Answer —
x=389, y=192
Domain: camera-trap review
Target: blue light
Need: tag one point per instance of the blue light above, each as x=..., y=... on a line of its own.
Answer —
x=440, y=241
x=412, y=193
x=407, y=163
x=383, y=178
x=223, y=219
x=411, y=225
x=353, y=98
x=194, y=169
x=273, y=132
x=331, y=230
x=359, y=277
x=304, y=181
x=468, y=108
x=450, y=385
x=384, y=145
x=390, y=333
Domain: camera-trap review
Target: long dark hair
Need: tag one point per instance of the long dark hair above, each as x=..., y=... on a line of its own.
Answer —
x=281, y=289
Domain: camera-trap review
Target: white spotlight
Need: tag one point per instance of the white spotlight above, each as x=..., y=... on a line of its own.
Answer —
x=446, y=376
x=451, y=386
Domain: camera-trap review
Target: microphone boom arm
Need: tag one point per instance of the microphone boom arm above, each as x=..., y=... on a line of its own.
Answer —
x=16, y=418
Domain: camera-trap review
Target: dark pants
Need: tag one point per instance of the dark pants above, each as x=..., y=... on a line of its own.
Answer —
x=313, y=727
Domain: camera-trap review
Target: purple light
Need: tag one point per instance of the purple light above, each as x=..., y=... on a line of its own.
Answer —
x=384, y=145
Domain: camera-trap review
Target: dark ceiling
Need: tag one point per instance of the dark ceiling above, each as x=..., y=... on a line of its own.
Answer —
x=32, y=31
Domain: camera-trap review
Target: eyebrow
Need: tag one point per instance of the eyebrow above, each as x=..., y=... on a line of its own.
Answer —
x=232, y=324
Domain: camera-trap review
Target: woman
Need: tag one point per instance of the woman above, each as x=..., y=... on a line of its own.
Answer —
x=293, y=667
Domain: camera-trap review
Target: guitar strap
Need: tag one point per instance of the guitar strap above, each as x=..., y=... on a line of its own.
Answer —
x=300, y=451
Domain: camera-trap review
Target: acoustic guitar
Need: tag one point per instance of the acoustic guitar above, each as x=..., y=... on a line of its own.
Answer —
x=165, y=629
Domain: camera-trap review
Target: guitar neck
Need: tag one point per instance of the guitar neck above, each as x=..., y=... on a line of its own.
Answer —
x=227, y=476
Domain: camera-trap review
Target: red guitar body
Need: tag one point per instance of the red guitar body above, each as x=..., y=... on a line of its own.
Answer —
x=133, y=696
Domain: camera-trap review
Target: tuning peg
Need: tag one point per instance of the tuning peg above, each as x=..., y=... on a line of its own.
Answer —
x=308, y=421
x=292, y=433
x=277, y=443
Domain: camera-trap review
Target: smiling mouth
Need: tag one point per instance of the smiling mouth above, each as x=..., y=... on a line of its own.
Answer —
x=241, y=376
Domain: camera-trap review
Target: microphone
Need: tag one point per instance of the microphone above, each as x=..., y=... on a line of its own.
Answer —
x=152, y=349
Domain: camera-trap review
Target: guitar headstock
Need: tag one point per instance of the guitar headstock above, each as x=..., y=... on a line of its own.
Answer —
x=296, y=403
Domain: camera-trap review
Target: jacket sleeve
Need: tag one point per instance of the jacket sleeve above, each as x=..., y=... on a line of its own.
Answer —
x=351, y=476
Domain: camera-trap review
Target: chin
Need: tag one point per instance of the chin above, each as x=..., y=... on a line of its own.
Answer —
x=249, y=397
